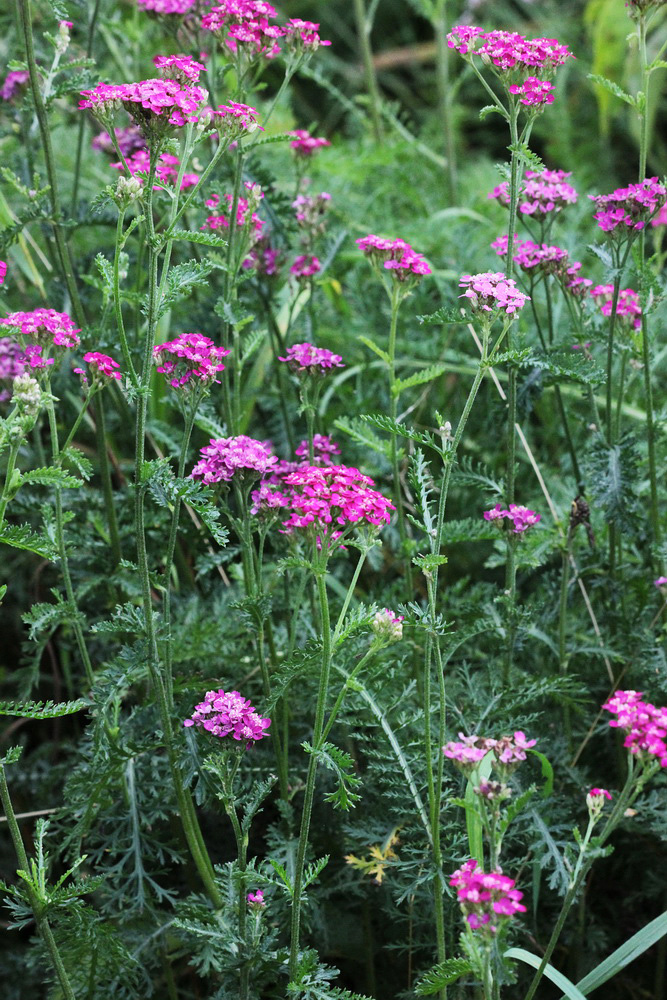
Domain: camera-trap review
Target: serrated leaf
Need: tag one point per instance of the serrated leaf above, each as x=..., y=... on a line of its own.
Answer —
x=182, y=279
x=50, y=476
x=425, y=375
x=429, y=562
x=490, y=109
x=612, y=88
x=565, y=365
x=21, y=536
x=197, y=236
x=386, y=423
x=376, y=350
x=441, y=975
x=42, y=709
x=341, y=763
x=446, y=314
x=353, y=426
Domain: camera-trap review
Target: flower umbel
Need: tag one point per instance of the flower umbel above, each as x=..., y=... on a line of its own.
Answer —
x=229, y=714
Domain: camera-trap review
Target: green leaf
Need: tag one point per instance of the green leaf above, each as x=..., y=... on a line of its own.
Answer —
x=341, y=763
x=441, y=975
x=377, y=350
x=547, y=773
x=429, y=562
x=50, y=476
x=42, y=709
x=628, y=952
x=353, y=427
x=21, y=536
x=566, y=365
x=446, y=314
x=473, y=821
x=182, y=279
x=612, y=88
x=425, y=375
x=561, y=981
x=196, y=236
x=385, y=423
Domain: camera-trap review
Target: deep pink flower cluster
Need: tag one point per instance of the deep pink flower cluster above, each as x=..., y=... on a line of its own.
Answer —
x=129, y=139
x=521, y=517
x=540, y=193
x=534, y=93
x=14, y=79
x=305, y=266
x=485, y=899
x=167, y=6
x=306, y=145
x=644, y=724
x=491, y=292
x=247, y=28
x=268, y=497
x=12, y=363
x=533, y=256
x=100, y=365
x=255, y=900
x=396, y=256
x=573, y=282
x=629, y=209
x=189, y=359
x=333, y=498
x=660, y=582
x=229, y=714
x=628, y=307
x=224, y=457
x=661, y=217
x=324, y=448
x=149, y=101
x=182, y=68
x=47, y=326
x=243, y=216
x=311, y=360
x=166, y=170
x=3, y=271
x=508, y=51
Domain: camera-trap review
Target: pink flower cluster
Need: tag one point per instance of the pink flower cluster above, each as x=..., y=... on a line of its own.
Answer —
x=45, y=325
x=229, y=714
x=533, y=256
x=311, y=360
x=245, y=26
x=573, y=282
x=628, y=307
x=595, y=800
x=491, y=292
x=303, y=35
x=182, y=68
x=333, y=498
x=542, y=192
x=223, y=457
x=644, y=724
x=263, y=258
x=396, y=256
x=255, y=900
x=388, y=625
x=468, y=751
x=14, y=79
x=167, y=6
x=306, y=145
x=191, y=358
x=534, y=93
x=324, y=448
x=99, y=365
x=243, y=215
x=629, y=209
x=3, y=271
x=166, y=170
x=508, y=51
x=305, y=266
x=149, y=101
x=485, y=899
x=521, y=517
x=12, y=363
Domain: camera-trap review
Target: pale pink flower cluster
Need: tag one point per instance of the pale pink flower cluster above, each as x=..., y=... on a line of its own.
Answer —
x=244, y=216
x=630, y=208
x=310, y=211
x=491, y=292
x=333, y=498
x=396, y=256
x=311, y=360
x=533, y=256
x=468, y=751
x=99, y=365
x=14, y=79
x=228, y=713
x=324, y=448
x=225, y=457
x=388, y=625
x=167, y=6
x=191, y=358
x=166, y=170
x=305, y=266
x=12, y=363
x=628, y=307
x=486, y=900
x=534, y=93
x=542, y=192
x=182, y=68
x=305, y=145
x=521, y=517
x=660, y=582
x=644, y=724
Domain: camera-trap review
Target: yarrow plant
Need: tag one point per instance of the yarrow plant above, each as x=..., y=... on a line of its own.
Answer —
x=492, y=294
x=543, y=193
x=191, y=359
x=229, y=715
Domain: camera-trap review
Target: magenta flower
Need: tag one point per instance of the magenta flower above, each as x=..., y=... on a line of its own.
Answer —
x=182, y=68
x=224, y=458
x=189, y=359
x=167, y=6
x=305, y=266
x=305, y=145
x=644, y=724
x=267, y=499
x=324, y=448
x=541, y=193
x=310, y=211
x=465, y=755
x=228, y=713
x=3, y=272
x=154, y=104
x=256, y=900
x=660, y=582
x=14, y=79
x=573, y=283
x=509, y=53
x=245, y=217
x=491, y=292
x=331, y=499
x=627, y=210
x=244, y=27
x=263, y=258
x=303, y=36
x=508, y=751
x=533, y=257
x=166, y=170
x=628, y=307
x=311, y=360
x=535, y=93
x=45, y=325
x=129, y=140
x=12, y=364
x=100, y=365
x=396, y=256
x=486, y=898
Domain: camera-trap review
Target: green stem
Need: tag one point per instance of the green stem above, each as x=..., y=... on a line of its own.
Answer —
x=118, y=308
x=562, y=633
x=445, y=95
x=41, y=920
x=82, y=120
x=348, y=596
x=25, y=20
x=105, y=474
x=242, y=850
x=11, y=464
x=363, y=36
x=394, y=397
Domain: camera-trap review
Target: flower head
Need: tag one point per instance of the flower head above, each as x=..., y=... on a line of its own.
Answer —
x=486, y=900
x=324, y=449
x=303, y=36
x=166, y=171
x=129, y=139
x=14, y=79
x=331, y=499
x=190, y=359
x=306, y=358
x=229, y=714
x=167, y=6
x=305, y=266
x=44, y=325
x=660, y=582
x=3, y=271
x=533, y=257
x=246, y=218
x=224, y=458
x=644, y=724
x=182, y=68
x=627, y=210
x=12, y=364
x=305, y=145
x=492, y=292
x=155, y=105
x=595, y=801
x=396, y=256
x=628, y=306
x=520, y=517
x=255, y=900
x=101, y=367
x=388, y=625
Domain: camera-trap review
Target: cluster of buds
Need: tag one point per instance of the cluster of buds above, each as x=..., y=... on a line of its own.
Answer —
x=595, y=802
x=387, y=625
x=310, y=212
